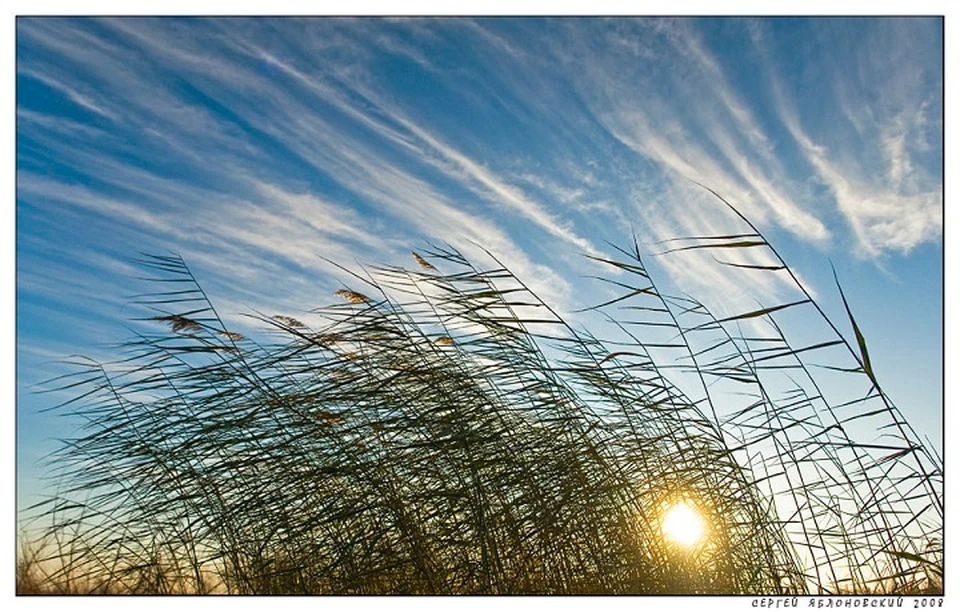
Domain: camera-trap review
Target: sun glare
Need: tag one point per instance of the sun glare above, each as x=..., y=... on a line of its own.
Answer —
x=683, y=525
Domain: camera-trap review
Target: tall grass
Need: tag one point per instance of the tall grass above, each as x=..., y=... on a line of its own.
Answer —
x=443, y=430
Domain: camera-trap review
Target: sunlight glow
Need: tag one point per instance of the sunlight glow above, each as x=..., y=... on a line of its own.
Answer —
x=683, y=525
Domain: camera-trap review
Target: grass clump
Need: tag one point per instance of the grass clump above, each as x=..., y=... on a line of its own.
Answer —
x=440, y=429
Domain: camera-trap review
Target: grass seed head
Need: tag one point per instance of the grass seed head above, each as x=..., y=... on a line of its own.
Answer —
x=288, y=321
x=423, y=263
x=179, y=323
x=353, y=297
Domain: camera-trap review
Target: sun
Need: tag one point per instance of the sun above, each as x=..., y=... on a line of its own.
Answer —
x=683, y=525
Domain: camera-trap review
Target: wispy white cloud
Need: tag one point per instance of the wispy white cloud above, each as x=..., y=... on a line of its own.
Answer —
x=339, y=121
x=432, y=149
x=292, y=223
x=32, y=185
x=60, y=125
x=502, y=192
x=890, y=202
x=127, y=87
x=712, y=137
x=83, y=100
x=881, y=219
x=672, y=101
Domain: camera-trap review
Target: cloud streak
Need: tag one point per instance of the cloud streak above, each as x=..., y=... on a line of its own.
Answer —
x=891, y=199
x=243, y=135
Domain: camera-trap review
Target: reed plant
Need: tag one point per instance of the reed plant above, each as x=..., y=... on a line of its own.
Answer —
x=438, y=428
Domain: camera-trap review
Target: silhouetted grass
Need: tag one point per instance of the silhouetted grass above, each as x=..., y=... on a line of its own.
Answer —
x=443, y=430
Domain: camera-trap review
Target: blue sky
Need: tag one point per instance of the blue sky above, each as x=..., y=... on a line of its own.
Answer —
x=253, y=146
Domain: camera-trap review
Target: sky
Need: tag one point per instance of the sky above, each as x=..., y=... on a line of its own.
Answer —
x=259, y=149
